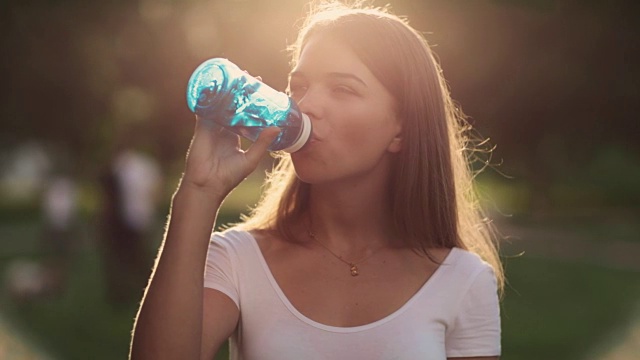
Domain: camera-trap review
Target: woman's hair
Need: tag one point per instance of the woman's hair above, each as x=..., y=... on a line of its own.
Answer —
x=432, y=197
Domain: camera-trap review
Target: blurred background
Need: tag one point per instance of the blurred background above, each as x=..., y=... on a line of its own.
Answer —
x=94, y=129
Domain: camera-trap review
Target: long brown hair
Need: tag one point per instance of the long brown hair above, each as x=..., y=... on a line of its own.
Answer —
x=432, y=197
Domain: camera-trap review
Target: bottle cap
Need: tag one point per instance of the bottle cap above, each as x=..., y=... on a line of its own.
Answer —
x=304, y=135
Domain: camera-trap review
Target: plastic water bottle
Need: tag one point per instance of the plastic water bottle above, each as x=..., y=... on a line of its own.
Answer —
x=221, y=92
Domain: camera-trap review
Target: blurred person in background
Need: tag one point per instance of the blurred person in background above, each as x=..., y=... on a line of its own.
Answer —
x=131, y=187
x=60, y=205
x=368, y=242
x=29, y=279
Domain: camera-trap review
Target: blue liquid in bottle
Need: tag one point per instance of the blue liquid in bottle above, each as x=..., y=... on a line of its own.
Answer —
x=221, y=92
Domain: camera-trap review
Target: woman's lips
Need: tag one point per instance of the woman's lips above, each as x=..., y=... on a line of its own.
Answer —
x=314, y=138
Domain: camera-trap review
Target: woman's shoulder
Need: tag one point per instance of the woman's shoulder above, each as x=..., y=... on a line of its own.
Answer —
x=242, y=238
x=467, y=264
x=233, y=238
x=464, y=272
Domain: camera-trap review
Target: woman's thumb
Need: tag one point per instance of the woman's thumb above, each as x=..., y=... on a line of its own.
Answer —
x=259, y=147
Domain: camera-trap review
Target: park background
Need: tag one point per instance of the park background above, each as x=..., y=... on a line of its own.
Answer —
x=553, y=84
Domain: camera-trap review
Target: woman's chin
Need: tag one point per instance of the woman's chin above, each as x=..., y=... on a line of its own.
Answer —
x=307, y=177
x=311, y=175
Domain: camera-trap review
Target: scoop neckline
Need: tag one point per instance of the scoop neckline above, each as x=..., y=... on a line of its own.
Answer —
x=448, y=260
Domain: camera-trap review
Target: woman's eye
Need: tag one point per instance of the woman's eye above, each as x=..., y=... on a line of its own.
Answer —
x=296, y=89
x=343, y=90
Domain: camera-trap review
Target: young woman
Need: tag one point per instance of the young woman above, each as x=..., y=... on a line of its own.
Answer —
x=367, y=243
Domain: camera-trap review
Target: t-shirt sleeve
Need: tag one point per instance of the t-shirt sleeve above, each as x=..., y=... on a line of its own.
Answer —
x=476, y=328
x=219, y=271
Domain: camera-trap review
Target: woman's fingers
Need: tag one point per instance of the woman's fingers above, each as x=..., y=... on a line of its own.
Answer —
x=216, y=158
x=255, y=152
x=207, y=124
x=217, y=135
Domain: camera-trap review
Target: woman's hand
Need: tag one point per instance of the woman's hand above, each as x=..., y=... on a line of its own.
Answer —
x=215, y=162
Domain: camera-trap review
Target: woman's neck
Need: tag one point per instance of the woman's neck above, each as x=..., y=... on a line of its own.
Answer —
x=351, y=216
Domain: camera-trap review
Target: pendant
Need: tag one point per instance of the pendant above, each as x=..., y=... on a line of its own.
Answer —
x=354, y=270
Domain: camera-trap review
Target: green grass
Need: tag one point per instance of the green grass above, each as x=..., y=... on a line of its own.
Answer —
x=558, y=310
x=79, y=321
x=552, y=309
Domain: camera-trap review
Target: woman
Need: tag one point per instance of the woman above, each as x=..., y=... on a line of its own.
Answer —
x=367, y=243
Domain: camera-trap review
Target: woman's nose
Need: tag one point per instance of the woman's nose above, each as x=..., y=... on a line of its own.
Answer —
x=310, y=104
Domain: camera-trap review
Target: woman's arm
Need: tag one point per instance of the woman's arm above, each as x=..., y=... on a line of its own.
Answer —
x=175, y=306
x=170, y=320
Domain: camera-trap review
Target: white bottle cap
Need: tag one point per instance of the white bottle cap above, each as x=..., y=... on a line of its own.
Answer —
x=304, y=135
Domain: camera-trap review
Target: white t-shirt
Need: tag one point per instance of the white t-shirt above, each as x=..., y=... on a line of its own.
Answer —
x=456, y=313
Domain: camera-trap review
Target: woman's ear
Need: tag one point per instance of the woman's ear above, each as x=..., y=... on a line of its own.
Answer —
x=396, y=143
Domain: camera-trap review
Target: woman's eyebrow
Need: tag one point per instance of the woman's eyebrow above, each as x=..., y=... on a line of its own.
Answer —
x=341, y=75
x=334, y=75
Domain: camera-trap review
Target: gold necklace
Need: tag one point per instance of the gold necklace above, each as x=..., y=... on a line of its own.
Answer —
x=352, y=264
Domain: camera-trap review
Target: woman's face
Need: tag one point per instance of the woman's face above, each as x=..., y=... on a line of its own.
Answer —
x=355, y=128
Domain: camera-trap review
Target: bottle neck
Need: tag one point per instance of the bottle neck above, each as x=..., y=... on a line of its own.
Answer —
x=305, y=131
